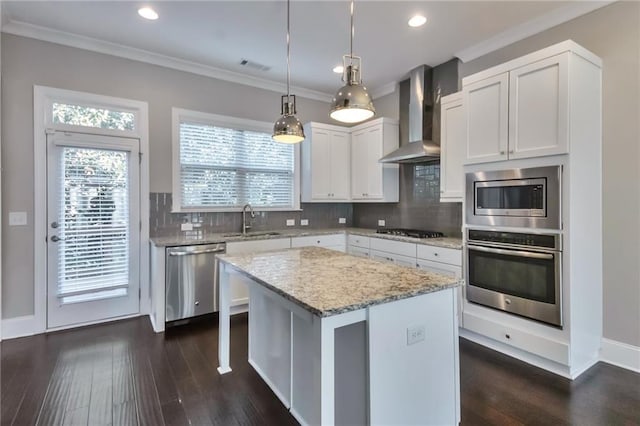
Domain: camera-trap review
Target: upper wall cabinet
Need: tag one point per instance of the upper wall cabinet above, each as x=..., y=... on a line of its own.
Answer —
x=326, y=164
x=372, y=181
x=520, y=112
x=452, y=145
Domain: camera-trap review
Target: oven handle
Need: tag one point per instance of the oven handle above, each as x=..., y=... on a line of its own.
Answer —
x=528, y=254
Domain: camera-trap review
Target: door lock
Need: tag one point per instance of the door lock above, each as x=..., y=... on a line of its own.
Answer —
x=55, y=225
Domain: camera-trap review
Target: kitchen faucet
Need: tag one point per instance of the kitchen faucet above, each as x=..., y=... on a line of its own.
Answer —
x=244, y=218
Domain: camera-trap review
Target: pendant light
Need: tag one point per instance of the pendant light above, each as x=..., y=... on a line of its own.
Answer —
x=288, y=128
x=352, y=103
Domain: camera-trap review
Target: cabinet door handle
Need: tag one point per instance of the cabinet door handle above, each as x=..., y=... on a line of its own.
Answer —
x=435, y=254
x=511, y=152
x=501, y=152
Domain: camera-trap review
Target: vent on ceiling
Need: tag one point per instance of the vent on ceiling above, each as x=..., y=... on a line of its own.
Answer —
x=254, y=65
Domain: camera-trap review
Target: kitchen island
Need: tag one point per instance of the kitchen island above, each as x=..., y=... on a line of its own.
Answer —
x=346, y=340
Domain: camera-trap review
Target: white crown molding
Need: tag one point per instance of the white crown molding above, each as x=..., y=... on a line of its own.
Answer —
x=529, y=28
x=87, y=43
x=384, y=90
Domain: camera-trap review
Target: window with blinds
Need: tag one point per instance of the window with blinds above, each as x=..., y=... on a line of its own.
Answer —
x=226, y=168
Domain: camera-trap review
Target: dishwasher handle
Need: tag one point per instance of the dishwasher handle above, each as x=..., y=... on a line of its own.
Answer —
x=217, y=249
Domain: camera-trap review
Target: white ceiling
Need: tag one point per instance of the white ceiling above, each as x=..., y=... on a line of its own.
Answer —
x=220, y=33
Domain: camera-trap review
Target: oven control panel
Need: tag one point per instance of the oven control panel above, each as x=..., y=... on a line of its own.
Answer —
x=516, y=238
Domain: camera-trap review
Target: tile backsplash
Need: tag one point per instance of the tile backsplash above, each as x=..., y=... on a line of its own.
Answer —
x=319, y=215
x=419, y=206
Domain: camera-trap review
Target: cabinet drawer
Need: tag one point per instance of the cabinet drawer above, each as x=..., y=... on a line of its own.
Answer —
x=358, y=241
x=439, y=254
x=319, y=241
x=358, y=251
x=518, y=338
x=440, y=268
x=396, y=259
x=395, y=247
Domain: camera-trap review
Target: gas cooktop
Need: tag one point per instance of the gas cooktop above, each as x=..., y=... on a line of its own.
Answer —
x=415, y=233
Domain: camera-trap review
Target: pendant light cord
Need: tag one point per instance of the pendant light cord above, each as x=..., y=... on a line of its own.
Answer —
x=288, y=50
x=352, y=33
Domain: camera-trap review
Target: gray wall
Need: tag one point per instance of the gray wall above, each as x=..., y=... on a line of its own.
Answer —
x=27, y=62
x=613, y=33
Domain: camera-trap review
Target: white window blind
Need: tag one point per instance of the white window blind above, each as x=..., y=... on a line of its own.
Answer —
x=93, y=261
x=226, y=168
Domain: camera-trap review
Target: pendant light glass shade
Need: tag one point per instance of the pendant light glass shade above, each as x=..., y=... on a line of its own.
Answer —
x=288, y=129
x=352, y=103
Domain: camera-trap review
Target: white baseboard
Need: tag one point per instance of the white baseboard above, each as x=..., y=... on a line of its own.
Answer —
x=13, y=328
x=620, y=354
x=285, y=401
x=239, y=309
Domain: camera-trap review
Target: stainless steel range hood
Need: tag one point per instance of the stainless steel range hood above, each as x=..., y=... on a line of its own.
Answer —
x=426, y=87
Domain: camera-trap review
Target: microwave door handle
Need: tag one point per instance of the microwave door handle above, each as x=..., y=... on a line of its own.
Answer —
x=528, y=254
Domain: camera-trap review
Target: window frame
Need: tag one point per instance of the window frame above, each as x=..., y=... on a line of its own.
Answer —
x=179, y=115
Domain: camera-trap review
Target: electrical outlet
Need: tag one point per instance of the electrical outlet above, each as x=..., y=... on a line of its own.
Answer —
x=381, y=222
x=186, y=226
x=291, y=222
x=17, y=218
x=304, y=222
x=415, y=334
x=342, y=220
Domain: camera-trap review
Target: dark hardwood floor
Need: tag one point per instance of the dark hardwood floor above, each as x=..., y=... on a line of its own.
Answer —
x=124, y=374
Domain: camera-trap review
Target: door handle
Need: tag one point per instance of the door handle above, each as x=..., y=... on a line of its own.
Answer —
x=54, y=225
x=56, y=239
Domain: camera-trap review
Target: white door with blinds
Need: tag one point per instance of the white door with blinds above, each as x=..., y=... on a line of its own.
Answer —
x=93, y=228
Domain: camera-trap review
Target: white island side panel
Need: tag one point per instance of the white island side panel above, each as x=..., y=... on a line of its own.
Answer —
x=417, y=383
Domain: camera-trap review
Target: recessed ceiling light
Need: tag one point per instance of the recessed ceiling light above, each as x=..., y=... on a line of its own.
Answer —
x=417, y=21
x=148, y=13
x=338, y=69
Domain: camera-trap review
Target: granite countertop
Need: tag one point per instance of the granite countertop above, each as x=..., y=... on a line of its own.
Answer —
x=327, y=282
x=181, y=240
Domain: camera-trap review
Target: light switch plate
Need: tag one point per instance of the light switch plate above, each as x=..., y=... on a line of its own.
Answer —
x=291, y=222
x=186, y=226
x=17, y=218
x=304, y=222
x=381, y=222
x=342, y=220
x=415, y=334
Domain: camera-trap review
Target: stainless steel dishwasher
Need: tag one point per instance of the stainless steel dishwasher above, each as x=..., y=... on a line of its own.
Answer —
x=192, y=280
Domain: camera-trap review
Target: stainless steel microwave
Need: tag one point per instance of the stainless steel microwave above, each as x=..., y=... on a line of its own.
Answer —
x=514, y=198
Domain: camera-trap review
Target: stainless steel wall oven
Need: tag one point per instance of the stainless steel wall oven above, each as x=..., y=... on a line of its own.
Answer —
x=516, y=272
x=514, y=198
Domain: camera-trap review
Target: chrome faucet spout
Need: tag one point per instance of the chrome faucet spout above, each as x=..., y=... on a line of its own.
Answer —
x=246, y=226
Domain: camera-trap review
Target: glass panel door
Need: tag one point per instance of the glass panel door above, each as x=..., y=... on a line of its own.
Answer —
x=93, y=233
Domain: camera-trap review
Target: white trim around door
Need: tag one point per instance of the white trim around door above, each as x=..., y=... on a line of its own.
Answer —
x=43, y=100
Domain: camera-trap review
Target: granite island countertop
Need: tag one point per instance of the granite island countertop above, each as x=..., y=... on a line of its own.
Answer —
x=182, y=240
x=327, y=282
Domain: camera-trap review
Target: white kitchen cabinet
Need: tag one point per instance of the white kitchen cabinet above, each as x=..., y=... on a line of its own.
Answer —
x=445, y=261
x=520, y=112
x=452, y=145
x=397, y=259
x=334, y=241
x=238, y=289
x=538, y=108
x=372, y=181
x=358, y=251
x=326, y=164
x=487, y=115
